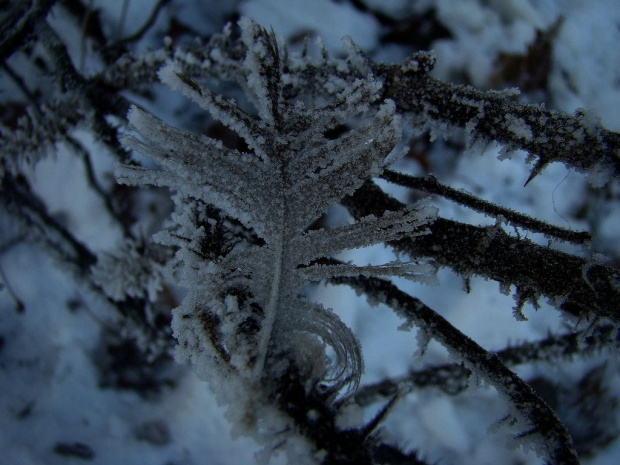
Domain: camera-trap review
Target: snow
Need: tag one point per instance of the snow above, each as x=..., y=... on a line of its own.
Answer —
x=586, y=71
x=481, y=32
x=47, y=371
x=74, y=203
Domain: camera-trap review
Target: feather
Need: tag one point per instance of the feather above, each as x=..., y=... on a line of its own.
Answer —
x=243, y=310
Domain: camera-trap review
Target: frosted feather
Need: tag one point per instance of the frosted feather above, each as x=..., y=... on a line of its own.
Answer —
x=243, y=302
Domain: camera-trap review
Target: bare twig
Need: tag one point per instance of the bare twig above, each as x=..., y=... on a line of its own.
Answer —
x=142, y=30
x=431, y=185
x=94, y=184
x=17, y=197
x=19, y=26
x=17, y=79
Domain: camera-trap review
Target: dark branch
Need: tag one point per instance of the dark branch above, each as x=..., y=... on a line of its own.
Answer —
x=16, y=29
x=540, y=419
x=580, y=287
x=453, y=377
x=142, y=30
x=19, y=200
x=339, y=446
x=24, y=205
x=96, y=186
x=17, y=79
x=578, y=141
x=432, y=186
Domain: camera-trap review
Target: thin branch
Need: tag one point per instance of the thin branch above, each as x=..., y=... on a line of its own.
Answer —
x=452, y=378
x=23, y=204
x=142, y=30
x=94, y=184
x=19, y=26
x=381, y=415
x=4, y=282
x=579, y=286
x=37, y=130
x=19, y=200
x=355, y=446
x=85, y=20
x=17, y=79
x=89, y=18
x=431, y=185
x=123, y=18
x=534, y=414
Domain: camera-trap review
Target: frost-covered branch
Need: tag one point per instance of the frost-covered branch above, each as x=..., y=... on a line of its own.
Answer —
x=578, y=286
x=432, y=186
x=37, y=130
x=541, y=428
x=579, y=140
x=97, y=101
x=452, y=378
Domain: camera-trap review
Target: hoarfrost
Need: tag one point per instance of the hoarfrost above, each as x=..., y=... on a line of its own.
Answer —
x=518, y=127
x=127, y=273
x=243, y=310
x=350, y=416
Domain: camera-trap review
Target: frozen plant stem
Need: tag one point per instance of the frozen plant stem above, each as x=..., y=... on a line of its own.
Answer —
x=545, y=432
x=453, y=377
x=272, y=308
x=431, y=185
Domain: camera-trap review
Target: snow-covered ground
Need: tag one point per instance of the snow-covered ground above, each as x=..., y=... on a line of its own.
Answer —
x=50, y=393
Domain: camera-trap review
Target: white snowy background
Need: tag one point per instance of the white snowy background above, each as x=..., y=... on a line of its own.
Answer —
x=49, y=386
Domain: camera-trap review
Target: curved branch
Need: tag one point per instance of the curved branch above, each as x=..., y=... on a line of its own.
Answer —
x=142, y=30
x=538, y=417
